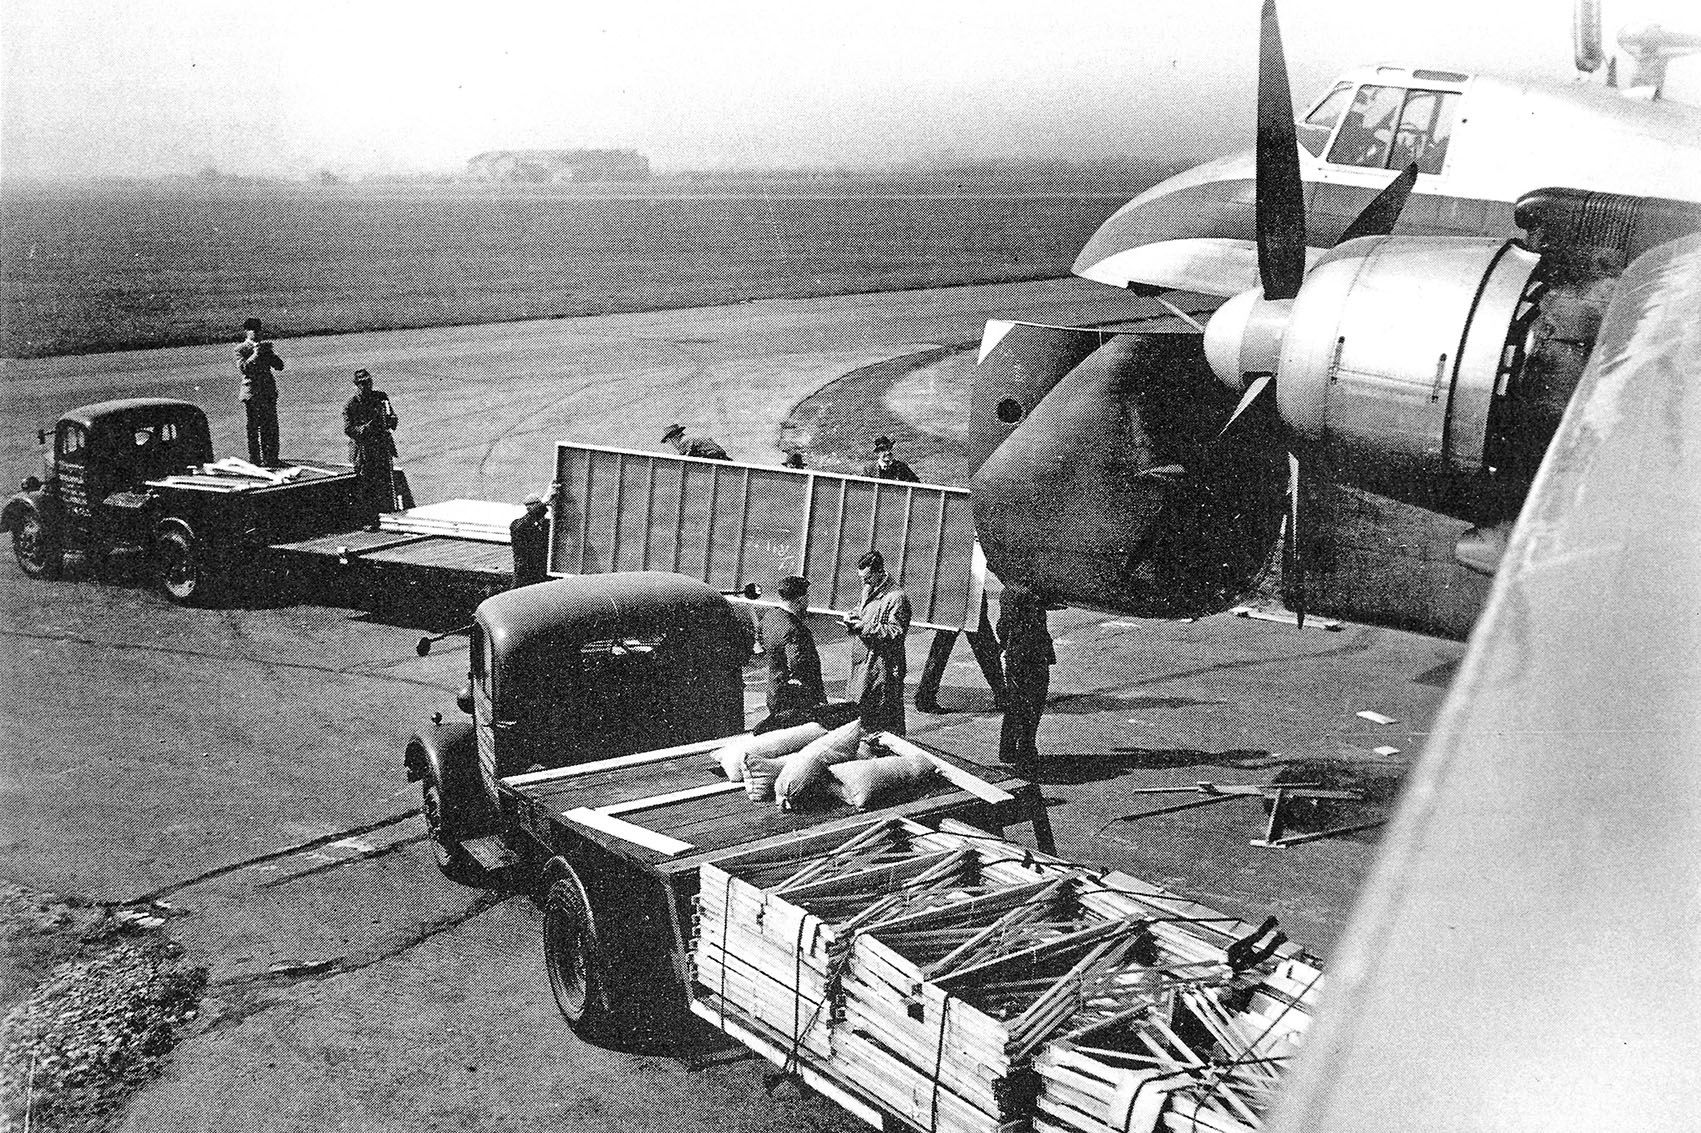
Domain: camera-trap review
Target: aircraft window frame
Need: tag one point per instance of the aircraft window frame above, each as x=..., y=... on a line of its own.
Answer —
x=1317, y=127
x=1404, y=140
x=1359, y=140
x=1426, y=144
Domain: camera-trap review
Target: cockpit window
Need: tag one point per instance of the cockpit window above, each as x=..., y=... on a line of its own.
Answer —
x=1320, y=123
x=1390, y=127
x=1368, y=131
x=1426, y=126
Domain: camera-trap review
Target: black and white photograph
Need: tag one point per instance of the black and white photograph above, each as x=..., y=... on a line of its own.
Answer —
x=950, y=567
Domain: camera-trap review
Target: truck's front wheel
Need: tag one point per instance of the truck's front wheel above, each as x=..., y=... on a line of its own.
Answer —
x=455, y=863
x=577, y=966
x=36, y=554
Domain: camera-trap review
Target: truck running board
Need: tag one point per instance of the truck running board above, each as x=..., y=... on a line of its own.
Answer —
x=490, y=852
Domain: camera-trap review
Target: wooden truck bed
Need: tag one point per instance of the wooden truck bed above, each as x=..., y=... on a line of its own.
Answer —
x=638, y=828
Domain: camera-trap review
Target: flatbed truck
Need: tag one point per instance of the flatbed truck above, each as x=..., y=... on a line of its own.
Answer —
x=135, y=479
x=583, y=772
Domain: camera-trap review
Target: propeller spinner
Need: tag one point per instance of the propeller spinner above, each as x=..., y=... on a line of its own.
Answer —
x=1243, y=340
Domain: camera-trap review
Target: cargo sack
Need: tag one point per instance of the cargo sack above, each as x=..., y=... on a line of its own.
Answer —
x=770, y=745
x=865, y=783
x=807, y=770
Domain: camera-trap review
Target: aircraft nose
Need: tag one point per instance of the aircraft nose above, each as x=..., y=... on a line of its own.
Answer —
x=1190, y=232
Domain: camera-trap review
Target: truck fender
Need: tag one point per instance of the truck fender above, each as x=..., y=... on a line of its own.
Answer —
x=447, y=755
x=21, y=503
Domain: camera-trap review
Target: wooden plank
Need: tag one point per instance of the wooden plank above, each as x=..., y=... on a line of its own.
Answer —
x=639, y=758
x=653, y=801
x=631, y=832
x=619, y=783
x=958, y=777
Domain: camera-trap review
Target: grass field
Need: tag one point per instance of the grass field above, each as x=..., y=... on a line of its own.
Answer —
x=145, y=266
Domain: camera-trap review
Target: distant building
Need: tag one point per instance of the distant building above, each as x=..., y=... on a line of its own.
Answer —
x=546, y=165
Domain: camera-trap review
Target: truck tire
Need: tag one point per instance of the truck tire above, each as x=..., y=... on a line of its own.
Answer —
x=37, y=556
x=455, y=863
x=577, y=965
x=178, y=567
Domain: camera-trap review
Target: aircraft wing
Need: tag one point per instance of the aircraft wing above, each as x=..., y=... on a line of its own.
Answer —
x=1527, y=952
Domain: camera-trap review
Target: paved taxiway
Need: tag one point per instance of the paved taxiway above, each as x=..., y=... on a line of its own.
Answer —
x=244, y=764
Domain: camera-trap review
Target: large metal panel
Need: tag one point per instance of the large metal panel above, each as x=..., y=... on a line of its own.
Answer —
x=729, y=524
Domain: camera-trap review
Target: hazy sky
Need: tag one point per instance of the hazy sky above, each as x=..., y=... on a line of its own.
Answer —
x=136, y=87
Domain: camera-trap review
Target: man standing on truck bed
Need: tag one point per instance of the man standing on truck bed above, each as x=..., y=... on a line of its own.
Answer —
x=878, y=628
x=794, y=666
x=255, y=361
x=368, y=420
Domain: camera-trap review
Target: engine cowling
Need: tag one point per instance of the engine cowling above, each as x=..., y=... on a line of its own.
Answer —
x=1396, y=351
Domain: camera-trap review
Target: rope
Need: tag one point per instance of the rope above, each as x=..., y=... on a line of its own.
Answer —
x=938, y=1064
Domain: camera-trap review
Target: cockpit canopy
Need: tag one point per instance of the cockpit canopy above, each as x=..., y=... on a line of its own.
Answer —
x=1386, y=119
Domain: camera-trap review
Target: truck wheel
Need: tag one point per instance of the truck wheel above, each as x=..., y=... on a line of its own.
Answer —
x=37, y=556
x=577, y=966
x=177, y=566
x=455, y=863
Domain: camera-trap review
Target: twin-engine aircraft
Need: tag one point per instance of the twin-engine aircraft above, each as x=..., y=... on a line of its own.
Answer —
x=1465, y=402
x=1415, y=273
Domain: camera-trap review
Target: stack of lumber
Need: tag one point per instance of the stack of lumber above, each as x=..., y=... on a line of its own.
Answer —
x=966, y=983
x=479, y=520
x=233, y=474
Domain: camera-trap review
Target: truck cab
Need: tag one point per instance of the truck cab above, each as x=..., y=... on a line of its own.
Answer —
x=582, y=668
x=92, y=491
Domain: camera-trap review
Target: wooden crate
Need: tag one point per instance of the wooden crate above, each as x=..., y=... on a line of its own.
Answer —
x=968, y=984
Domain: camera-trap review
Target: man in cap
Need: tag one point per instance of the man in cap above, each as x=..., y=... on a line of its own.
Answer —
x=368, y=420
x=529, y=537
x=887, y=466
x=794, y=458
x=794, y=666
x=255, y=361
x=693, y=446
x=878, y=627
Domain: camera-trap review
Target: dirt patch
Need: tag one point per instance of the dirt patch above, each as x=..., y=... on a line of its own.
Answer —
x=94, y=1000
x=835, y=427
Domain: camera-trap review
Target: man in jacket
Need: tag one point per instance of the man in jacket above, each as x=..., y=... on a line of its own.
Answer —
x=878, y=627
x=1028, y=658
x=887, y=466
x=794, y=666
x=255, y=361
x=693, y=446
x=529, y=537
x=368, y=420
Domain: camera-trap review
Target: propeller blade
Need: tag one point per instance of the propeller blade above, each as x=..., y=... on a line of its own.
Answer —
x=1380, y=215
x=1293, y=553
x=1281, y=194
x=1253, y=388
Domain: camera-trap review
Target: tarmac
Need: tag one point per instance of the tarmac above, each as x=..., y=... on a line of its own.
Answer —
x=193, y=742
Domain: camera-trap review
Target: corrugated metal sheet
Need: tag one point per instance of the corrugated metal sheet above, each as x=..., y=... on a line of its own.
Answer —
x=729, y=524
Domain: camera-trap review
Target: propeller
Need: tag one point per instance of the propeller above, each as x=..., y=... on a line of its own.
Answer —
x=1243, y=340
x=1280, y=199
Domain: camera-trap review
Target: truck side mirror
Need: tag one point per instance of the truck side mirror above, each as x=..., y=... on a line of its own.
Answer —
x=464, y=700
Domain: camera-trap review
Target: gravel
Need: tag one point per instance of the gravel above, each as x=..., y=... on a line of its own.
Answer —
x=94, y=1000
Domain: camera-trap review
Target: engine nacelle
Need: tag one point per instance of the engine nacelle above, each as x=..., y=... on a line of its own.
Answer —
x=1398, y=353
x=1101, y=478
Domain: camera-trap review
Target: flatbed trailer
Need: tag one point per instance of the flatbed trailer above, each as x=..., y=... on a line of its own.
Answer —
x=616, y=847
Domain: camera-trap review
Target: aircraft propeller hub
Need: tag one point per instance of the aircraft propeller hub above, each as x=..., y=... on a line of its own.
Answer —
x=1243, y=339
